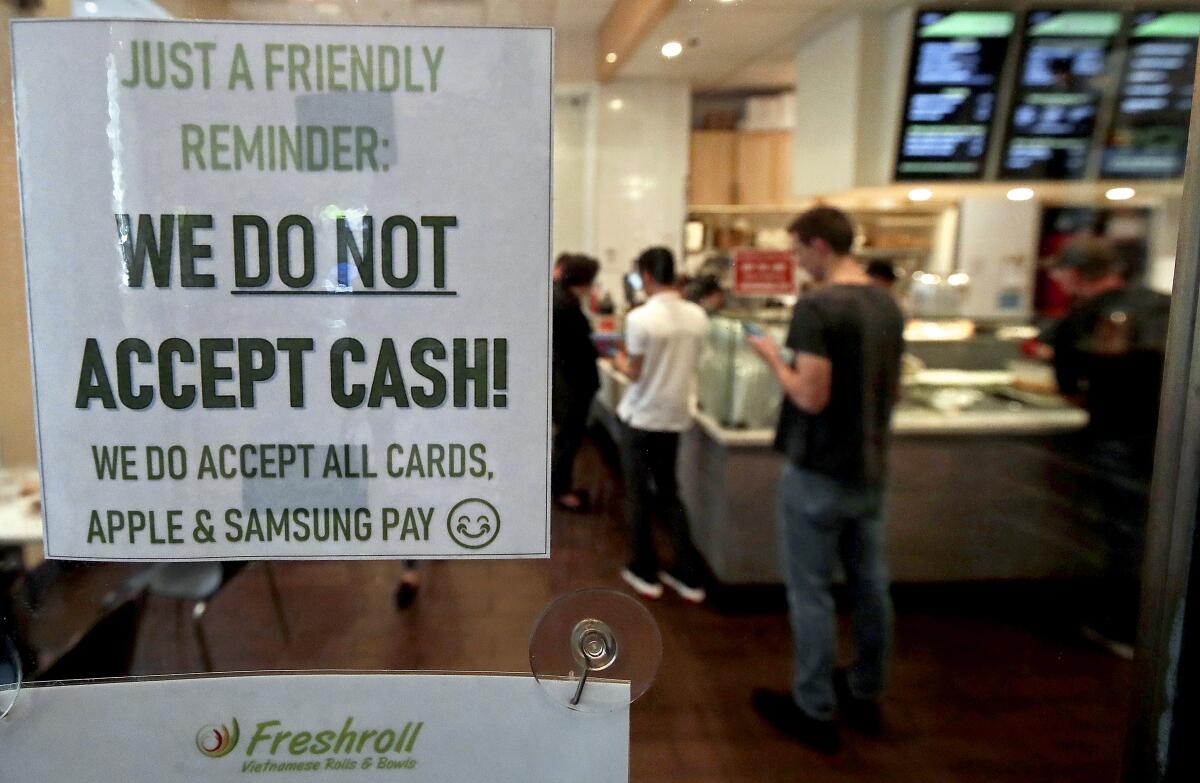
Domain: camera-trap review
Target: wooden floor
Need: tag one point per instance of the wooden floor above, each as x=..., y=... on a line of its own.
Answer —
x=988, y=685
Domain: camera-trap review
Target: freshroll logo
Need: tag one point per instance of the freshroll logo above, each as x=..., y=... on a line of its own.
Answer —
x=217, y=741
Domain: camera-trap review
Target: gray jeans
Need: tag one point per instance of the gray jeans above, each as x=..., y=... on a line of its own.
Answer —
x=822, y=520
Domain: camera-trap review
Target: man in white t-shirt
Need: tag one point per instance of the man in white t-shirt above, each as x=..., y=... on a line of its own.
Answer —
x=663, y=340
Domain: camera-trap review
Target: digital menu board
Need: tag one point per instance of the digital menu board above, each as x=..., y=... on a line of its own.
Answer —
x=1064, y=70
x=1148, y=135
x=953, y=76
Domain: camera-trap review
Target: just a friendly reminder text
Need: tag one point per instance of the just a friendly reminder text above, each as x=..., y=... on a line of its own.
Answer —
x=299, y=68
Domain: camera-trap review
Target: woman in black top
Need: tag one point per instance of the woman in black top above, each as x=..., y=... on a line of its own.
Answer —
x=576, y=378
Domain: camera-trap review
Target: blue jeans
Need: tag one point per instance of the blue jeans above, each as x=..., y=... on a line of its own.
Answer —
x=823, y=519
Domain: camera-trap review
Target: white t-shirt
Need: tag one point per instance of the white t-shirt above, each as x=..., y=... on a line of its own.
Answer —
x=668, y=333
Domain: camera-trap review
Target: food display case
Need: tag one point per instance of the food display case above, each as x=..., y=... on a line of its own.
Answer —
x=951, y=427
x=734, y=387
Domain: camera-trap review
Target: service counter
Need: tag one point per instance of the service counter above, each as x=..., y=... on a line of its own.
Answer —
x=982, y=494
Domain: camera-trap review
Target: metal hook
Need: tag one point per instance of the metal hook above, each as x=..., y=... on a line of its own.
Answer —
x=594, y=648
x=14, y=661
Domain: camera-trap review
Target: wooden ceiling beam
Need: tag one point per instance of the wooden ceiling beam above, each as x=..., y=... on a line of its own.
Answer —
x=626, y=26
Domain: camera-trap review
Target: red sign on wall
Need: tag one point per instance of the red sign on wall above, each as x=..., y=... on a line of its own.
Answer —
x=763, y=272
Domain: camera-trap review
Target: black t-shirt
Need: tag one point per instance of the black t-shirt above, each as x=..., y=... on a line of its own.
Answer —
x=860, y=330
x=574, y=353
x=1109, y=349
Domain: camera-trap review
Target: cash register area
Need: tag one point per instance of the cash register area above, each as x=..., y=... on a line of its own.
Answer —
x=969, y=143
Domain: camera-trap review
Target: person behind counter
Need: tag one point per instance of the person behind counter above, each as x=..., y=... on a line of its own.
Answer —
x=839, y=391
x=882, y=273
x=1108, y=356
x=576, y=378
x=706, y=291
x=663, y=340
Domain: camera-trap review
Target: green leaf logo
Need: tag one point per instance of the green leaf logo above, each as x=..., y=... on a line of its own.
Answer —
x=217, y=741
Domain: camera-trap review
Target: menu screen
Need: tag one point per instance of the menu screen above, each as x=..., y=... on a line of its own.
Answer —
x=1065, y=68
x=1148, y=136
x=953, y=75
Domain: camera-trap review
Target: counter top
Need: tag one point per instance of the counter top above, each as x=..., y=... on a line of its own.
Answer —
x=907, y=420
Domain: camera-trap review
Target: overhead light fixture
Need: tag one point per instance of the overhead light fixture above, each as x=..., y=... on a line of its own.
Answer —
x=1020, y=194
x=672, y=49
x=1119, y=194
x=616, y=104
x=90, y=7
x=611, y=57
x=920, y=194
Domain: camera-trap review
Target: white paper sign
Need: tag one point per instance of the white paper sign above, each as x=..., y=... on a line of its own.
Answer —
x=288, y=288
x=311, y=728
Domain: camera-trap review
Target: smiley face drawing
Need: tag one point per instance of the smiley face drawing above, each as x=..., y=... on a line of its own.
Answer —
x=473, y=523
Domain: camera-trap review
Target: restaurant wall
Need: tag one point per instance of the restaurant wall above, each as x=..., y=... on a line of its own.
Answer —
x=827, y=98
x=642, y=135
x=574, y=169
x=17, y=442
x=849, y=90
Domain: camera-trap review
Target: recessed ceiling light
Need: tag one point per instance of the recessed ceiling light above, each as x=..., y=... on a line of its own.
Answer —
x=920, y=194
x=672, y=49
x=611, y=57
x=1119, y=194
x=616, y=104
x=1020, y=194
x=90, y=7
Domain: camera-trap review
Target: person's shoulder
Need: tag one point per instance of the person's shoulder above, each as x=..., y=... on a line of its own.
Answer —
x=558, y=294
x=1149, y=298
x=638, y=314
x=887, y=303
x=693, y=311
x=1136, y=298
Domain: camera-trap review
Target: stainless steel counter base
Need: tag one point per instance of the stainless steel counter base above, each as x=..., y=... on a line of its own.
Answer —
x=974, y=497
x=959, y=509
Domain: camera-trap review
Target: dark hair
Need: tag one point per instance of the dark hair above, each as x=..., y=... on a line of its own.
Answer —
x=1092, y=257
x=577, y=269
x=883, y=270
x=827, y=223
x=657, y=263
x=703, y=286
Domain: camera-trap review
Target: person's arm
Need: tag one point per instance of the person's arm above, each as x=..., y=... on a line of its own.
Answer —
x=630, y=366
x=630, y=360
x=1068, y=364
x=807, y=383
x=808, y=380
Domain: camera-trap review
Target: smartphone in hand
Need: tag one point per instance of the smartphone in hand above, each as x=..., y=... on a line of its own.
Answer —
x=752, y=329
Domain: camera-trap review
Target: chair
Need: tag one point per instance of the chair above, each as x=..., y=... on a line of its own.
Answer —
x=199, y=584
x=107, y=648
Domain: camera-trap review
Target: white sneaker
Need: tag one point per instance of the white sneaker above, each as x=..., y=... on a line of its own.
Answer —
x=640, y=586
x=693, y=595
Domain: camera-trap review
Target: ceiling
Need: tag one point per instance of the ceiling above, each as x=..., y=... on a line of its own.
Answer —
x=728, y=45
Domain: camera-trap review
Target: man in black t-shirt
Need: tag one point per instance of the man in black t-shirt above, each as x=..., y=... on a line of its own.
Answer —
x=1108, y=350
x=1108, y=356
x=846, y=340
